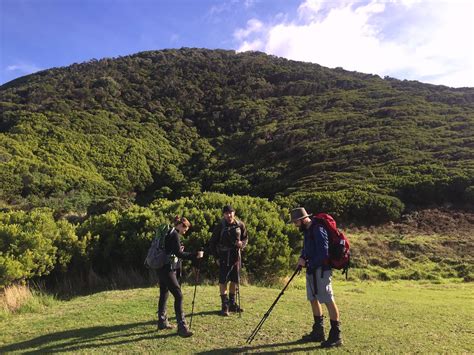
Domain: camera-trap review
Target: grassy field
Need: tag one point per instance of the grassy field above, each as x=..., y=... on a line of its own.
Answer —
x=381, y=317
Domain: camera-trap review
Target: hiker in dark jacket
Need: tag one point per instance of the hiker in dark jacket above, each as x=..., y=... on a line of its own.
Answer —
x=318, y=278
x=169, y=276
x=228, y=239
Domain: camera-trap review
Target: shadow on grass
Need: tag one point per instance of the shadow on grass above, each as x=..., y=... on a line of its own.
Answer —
x=86, y=338
x=288, y=347
x=205, y=313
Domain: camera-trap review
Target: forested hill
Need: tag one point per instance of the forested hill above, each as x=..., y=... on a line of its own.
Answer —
x=173, y=123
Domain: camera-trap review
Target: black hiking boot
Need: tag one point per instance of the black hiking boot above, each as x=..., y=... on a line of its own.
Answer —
x=334, y=338
x=317, y=333
x=163, y=322
x=233, y=307
x=225, y=306
x=183, y=330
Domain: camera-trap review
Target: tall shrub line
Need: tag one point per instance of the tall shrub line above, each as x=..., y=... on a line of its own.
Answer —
x=36, y=244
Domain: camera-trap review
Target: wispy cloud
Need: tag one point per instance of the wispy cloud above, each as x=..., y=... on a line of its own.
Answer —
x=226, y=6
x=23, y=68
x=407, y=39
x=174, y=38
x=249, y=3
x=253, y=26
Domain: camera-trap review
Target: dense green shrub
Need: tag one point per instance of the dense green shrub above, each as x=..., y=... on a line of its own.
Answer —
x=270, y=238
x=352, y=206
x=33, y=244
x=121, y=239
x=431, y=190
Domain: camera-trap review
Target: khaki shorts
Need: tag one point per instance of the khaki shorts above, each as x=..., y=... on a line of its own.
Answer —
x=324, y=287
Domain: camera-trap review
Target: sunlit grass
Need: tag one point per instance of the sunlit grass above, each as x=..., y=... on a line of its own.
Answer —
x=382, y=317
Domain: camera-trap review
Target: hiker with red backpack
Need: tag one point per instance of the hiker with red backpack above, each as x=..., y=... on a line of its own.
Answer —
x=318, y=250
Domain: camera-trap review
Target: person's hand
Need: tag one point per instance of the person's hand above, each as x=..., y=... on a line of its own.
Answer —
x=239, y=244
x=301, y=262
x=199, y=254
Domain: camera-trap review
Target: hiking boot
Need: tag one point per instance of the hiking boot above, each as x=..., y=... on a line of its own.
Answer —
x=317, y=333
x=334, y=338
x=225, y=306
x=330, y=343
x=313, y=336
x=233, y=306
x=163, y=322
x=183, y=330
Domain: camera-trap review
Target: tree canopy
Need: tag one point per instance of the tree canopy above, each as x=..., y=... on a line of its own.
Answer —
x=173, y=123
x=122, y=143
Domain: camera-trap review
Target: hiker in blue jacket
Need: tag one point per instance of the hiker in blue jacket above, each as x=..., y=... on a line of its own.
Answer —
x=314, y=255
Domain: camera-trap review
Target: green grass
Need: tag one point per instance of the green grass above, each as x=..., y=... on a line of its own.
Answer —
x=381, y=317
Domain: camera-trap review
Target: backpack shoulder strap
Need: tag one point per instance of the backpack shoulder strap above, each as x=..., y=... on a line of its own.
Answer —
x=223, y=227
x=239, y=222
x=162, y=237
x=314, y=221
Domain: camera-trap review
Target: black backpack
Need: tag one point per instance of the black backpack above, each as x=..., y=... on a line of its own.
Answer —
x=225, y=237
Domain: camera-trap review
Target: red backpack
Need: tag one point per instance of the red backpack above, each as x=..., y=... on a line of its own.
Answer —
x=339, y=247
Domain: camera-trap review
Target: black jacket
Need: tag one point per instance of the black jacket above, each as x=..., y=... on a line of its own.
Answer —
x=173, y=247
x=225, y=236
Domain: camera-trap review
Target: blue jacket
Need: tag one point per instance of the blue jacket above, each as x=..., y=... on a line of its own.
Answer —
x=315, y=247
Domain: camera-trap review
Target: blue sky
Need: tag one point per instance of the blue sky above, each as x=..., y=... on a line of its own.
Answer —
x=426, y=40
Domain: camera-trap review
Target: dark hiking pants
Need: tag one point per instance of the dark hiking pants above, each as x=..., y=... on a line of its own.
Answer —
x=169, y=283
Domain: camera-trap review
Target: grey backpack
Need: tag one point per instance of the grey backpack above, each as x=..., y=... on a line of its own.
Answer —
x=156, y=257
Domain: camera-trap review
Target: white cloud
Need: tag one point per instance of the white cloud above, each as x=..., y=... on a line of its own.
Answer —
x=253, y=26
x=251, y=46
x=309, y=9
x=248, y=3
x=23, y=68
x=407, y=39
x=226, y=6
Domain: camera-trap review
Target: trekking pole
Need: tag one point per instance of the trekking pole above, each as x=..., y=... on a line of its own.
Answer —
x=195, y=288
x=238, y=282
x=259, y=325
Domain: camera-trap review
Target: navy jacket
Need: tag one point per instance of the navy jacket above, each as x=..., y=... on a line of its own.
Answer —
x=315, y=247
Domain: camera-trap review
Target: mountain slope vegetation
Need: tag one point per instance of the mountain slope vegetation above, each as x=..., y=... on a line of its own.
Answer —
x=118, y=146
x=173, y=123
